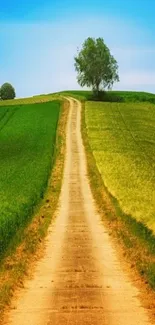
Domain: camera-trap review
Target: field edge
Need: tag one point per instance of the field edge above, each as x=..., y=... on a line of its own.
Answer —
x=15, y=267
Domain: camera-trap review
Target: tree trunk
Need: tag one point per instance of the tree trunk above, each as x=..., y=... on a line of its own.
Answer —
x=96, y=91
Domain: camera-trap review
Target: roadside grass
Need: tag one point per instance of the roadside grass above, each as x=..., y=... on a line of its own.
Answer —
x=138, y=241
x=81, y=95
x=17, y=264
x=28, y=136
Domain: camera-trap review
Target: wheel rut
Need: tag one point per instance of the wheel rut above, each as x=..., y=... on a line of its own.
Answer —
x=80, y=279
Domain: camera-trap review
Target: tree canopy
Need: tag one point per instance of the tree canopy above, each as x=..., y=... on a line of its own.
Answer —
x=95, y=65
x=7, y=91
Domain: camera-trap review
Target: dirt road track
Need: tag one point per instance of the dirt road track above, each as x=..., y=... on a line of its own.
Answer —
x=79, y=281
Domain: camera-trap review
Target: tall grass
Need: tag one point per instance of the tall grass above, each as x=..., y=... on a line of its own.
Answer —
x=27, y=142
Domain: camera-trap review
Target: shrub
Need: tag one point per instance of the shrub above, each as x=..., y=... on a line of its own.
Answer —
x=7, y=91
x=106, y=97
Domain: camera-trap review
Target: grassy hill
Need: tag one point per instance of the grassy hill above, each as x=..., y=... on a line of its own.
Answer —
x=122, y=138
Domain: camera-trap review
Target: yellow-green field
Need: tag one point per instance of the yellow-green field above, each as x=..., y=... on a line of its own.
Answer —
x=122, y=139
x=29, y=100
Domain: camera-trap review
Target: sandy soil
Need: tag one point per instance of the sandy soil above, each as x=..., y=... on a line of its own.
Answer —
x=80, y=279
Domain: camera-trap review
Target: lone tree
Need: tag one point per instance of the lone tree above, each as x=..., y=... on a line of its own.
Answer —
x=95, y=65
x=7, y=91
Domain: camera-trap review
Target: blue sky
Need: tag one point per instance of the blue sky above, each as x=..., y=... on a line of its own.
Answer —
x=39, y=38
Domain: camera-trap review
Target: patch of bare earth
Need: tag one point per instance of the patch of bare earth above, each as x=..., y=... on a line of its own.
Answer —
x=80, y=279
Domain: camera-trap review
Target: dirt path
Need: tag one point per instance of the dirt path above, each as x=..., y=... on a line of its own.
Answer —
x=79, y=280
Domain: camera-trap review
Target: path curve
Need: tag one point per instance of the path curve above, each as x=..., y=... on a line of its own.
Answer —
x=80, y=279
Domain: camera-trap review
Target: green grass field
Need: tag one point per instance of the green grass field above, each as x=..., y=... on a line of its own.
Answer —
x=122, y=139
x=27, y=138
